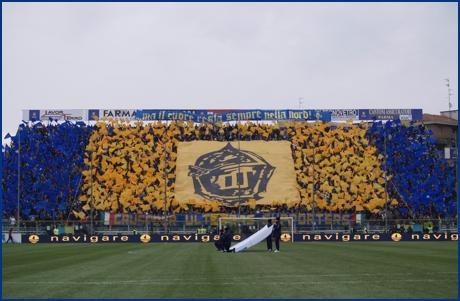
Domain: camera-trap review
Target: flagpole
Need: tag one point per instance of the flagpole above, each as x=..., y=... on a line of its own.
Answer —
x=91, y=173
x=165, y=175
x=386, y=181
x=19, y=174
x=313, y=185
x=239, y=168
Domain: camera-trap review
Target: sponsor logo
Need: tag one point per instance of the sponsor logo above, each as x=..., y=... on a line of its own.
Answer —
x=60, y=115
x=285, y=237
x=145, y=238
x=92, y=114
x=340, y=237
x=377, y=237
x=396, y=237
x=340, y=114
x=390, y=111
x=34, y=239
x=435, y=236
x=405, y=117
x=229, y=174
x=130, y=114
x=92, y=238
x=194, y=238
x=385, y=117
x=34, y=114
x=344, y=113
x=55, y=114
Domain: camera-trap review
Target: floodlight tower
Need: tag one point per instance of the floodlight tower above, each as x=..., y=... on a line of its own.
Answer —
x=300, y=102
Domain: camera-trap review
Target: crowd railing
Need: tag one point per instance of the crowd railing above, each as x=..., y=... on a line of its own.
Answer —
x=338, y=226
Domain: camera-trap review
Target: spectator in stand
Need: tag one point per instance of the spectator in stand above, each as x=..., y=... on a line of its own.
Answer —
x=394, y=229
x=349, y=160
x=49, y=164
x=12, y=221
x=402, y=229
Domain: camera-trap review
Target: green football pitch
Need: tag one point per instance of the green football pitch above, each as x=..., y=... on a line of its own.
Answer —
x=316, y=270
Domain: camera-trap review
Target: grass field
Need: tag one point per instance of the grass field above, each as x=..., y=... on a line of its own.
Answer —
x=405, y=270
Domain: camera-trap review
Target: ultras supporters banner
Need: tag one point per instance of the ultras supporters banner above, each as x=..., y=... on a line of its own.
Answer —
x=254, y=172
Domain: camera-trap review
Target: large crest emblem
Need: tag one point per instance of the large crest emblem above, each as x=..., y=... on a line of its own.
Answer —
x=230, y=175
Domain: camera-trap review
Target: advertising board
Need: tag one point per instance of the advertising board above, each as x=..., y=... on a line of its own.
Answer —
x=205, y=238
x=217, y=115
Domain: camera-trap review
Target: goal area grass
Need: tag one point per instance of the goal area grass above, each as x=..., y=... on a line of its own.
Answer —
x=311, y=270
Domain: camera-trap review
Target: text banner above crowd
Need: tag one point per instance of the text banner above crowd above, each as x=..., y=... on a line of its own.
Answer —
x=235, y=115
x=216, y=115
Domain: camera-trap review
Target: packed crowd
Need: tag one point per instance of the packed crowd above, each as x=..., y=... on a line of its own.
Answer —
x=47, y=161
x=423, y=183
x=130, y=168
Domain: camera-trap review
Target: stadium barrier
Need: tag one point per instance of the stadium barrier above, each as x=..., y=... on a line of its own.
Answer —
x=286, y=237
x=17, y=238
x=182, y=228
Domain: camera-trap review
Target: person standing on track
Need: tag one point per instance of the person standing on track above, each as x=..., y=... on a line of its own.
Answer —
x=269, y=237
x=10, y=236
x=277, y=234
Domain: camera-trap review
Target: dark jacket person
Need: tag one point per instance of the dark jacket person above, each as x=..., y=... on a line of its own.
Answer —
x=219, y=244
x=227, y=240
x=277, y=234
x=269, y=237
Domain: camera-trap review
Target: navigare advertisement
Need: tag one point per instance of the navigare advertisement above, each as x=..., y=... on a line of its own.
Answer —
x=204, y=238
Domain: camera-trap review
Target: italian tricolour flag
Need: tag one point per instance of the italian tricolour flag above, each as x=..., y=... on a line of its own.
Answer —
x=107, y=217
x=359, y=218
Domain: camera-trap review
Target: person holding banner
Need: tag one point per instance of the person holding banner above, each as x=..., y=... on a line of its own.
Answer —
x=227, y=240
x=219, y=245
x=277, y=234
x=269, y=237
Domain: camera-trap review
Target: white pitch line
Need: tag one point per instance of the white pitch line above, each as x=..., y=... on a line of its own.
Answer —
x=179, y=280
x=185, y=280
x=223, y=283
x=301, y=276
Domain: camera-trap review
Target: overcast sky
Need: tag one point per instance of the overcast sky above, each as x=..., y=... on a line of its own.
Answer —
x=227, y=56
